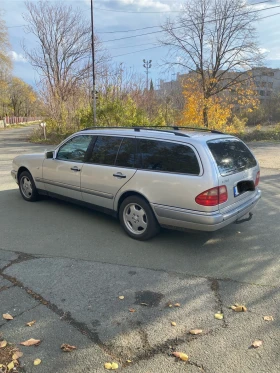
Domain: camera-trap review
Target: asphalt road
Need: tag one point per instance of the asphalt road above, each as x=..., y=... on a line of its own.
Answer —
x=247, y=252
x=81, y=262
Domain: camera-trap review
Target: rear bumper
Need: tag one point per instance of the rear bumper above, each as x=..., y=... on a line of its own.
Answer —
x=181, y=218
x=14, y=175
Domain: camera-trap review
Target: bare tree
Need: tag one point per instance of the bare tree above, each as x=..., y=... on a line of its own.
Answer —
x=5, y=66
x=215, y=39
x=64, y=45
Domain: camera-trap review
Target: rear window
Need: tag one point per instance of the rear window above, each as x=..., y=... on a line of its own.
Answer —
x=231, y=155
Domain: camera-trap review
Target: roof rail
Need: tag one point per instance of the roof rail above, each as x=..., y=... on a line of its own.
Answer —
x=159, y=128
x=146, y=128
x=155, y=128
x=199, y=129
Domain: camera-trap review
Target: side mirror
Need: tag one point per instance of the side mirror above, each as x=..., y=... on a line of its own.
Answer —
x=49, y=155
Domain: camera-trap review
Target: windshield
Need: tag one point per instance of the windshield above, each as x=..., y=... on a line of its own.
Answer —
x=231, y=155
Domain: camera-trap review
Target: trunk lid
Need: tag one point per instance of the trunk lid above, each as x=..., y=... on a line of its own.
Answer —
x=237, y=170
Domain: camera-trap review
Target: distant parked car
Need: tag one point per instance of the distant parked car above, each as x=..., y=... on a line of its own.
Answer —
x=201, y=180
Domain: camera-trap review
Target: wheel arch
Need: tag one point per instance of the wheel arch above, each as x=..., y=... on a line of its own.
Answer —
x=130, y=193
x=22, y=169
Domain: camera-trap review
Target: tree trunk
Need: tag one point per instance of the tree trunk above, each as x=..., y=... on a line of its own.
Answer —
x=205, y=116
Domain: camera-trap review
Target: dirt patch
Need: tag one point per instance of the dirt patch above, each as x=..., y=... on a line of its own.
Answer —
x=148, y=298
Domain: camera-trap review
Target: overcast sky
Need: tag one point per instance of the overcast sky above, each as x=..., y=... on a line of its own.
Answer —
x=118, y=15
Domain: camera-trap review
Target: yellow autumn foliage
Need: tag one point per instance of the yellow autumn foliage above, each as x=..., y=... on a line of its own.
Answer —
x=221, y=108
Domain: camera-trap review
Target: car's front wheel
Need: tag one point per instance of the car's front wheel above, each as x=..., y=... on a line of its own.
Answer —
x=27, y=187
x=137, y=218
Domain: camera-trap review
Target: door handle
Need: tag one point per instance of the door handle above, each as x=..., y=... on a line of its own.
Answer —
x=119, y=175
x=75, y=168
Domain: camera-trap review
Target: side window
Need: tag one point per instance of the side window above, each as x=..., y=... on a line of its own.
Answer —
x=126, y=154
x=75, y=149
x=168, y=157
x=105, y=150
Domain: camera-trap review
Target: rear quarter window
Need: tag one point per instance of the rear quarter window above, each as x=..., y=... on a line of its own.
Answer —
x=231, y=155
x=167, y=157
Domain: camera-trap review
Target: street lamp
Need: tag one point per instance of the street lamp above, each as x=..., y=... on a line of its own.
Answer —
x=93, y=65
x=147, y=65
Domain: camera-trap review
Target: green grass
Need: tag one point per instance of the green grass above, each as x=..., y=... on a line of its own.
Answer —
x=250, y=135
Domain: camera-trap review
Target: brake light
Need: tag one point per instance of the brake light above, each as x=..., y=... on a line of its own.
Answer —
x=213, y=196
x=257, y=179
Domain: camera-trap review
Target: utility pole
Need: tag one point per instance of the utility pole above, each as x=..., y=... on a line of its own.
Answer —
x=93, y=66
x=147, y=65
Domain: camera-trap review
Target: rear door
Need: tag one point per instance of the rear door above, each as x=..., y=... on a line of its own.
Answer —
x=110, y=166
x=237, y=169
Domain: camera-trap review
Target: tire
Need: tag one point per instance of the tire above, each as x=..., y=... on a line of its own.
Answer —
x=27, y=187
x=138, y=219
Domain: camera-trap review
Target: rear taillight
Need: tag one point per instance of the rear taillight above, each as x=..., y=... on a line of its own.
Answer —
x=257, y=179
x=212, y=197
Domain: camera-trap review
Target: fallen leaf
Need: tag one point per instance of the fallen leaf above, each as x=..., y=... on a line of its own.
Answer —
x=128, y=361
x=37, y=361
x=132, y=310
x=108, y=366
x=67, y=348
x=11, y=366
x=257, y=343
x=181, y=356
x=195, y=331
x=173, y=323
x=7, y=316
x=114, y=366
x=3, y=344
x=30, y=323
x=17, y=355
x=238, y=308
x=170, y=305
x=268, y=318
x=144, y=304
x=219, y=316
x=121, y=297
x=177, y=305
x=31, y=342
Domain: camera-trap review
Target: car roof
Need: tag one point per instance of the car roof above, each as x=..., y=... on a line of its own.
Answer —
x=180, y=135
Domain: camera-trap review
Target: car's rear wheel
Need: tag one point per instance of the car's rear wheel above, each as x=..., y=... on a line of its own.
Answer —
x=137, y=218
x=27, y=187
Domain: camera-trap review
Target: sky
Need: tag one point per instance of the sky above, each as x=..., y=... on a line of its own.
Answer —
x=113, y=16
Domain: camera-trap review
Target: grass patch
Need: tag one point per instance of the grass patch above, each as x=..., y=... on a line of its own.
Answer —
x=37, y=137
x=257, y=133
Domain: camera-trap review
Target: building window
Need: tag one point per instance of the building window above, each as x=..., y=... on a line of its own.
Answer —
x=270, y=84
x=263, y=84
x=268, y=93
x=262, y=93
x=257, y=83
x=270, y=74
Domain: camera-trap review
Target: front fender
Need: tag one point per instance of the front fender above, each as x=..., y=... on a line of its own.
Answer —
x=32, y=163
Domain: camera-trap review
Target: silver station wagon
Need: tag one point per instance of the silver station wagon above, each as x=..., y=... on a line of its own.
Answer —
x=148, y=178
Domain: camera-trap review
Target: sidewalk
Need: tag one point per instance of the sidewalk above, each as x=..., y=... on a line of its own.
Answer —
x=77, y=302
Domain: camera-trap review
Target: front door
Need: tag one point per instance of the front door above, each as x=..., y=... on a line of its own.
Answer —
x=62, y=175
x=109, y=167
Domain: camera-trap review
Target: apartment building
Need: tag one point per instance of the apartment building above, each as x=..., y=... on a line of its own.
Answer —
x=267, y=81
